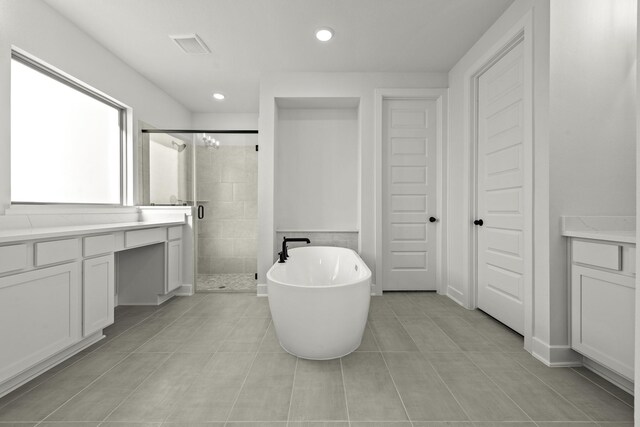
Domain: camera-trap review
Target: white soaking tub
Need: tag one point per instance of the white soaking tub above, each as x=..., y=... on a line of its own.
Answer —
x=319, y=301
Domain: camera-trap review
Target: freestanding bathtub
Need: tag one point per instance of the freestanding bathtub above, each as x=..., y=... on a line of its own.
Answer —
x=319, y=301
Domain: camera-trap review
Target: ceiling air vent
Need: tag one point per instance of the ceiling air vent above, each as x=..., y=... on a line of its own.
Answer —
x=190, y=43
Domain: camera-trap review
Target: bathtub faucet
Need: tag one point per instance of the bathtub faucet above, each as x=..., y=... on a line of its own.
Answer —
x=285, y=254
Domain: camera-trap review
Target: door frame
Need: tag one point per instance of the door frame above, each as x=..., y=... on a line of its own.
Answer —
x=440, y=95
x=520, y=33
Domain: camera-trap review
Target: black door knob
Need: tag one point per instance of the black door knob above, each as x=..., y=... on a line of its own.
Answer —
x=432, y=219
x=478, y=222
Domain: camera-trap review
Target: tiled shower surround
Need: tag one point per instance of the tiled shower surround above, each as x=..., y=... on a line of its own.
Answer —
x=227, y=188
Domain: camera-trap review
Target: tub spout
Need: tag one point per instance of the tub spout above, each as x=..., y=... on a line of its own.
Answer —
x=285, y=252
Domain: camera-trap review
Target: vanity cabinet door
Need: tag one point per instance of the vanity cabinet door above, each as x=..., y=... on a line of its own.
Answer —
x=98, y=295
x=39, y=316
x=174, y=265
x=602, y=317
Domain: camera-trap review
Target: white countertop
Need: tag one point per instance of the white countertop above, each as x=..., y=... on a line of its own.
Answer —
x=17, y=235
x=623, y=236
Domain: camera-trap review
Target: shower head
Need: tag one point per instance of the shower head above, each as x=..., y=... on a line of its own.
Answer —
x=179, y=147
x=210, y=142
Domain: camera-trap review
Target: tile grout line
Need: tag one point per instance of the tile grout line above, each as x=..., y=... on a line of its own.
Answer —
x=598, y=385
x=293, y=386
x=404, y=407
x=483, y=372
x=72, y=364
x=433, y=367
x=438, y=373
x=165, y=361
x=344, y=388
x=555, y=391
x=235, y=401
x=110, y=369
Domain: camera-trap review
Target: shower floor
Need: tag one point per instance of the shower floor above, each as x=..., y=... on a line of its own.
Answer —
x=226, y=283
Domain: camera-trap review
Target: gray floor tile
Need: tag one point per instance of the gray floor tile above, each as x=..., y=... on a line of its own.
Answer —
x=391, y=336
x=318, y=424
x=611, y=388
x=266, y=393
x=427, y=335
x=318, y=391
x=126, y=424
x=36, y=404
x=368, y=341
x=425, y=396
x=403, y=306
x=207, y=338
x=258, y=307
x=67, y=424
x=584, y=394
x=539, y=401
x=379, y=309
x=481, y=399
x=212, y=395
x=153, y=399
x=451, y=424
x=371, y=395
x=381, y=424
x=270, y=343
x=459, y=330
x=97, y=401
x=246, y=335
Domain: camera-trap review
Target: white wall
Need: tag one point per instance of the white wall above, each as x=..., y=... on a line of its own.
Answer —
x=334, y=85
x=224, y=121
x=34, y=27
x=592, y=125
x=317, y=170
x=637, y=320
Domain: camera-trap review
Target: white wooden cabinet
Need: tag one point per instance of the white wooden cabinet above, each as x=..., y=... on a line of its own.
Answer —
x=174, y=265
x=603, y=304
x=40, y=314
x=98, y=293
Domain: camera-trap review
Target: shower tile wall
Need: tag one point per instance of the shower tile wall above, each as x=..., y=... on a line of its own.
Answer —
x=343, y=239
x=227, y=185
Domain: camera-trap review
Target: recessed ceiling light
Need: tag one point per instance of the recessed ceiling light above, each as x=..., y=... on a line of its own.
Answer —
x=218, y=96
x=324, y=34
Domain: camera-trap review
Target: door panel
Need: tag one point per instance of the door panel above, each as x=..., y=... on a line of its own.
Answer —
x=409, y=190
x=500, y=188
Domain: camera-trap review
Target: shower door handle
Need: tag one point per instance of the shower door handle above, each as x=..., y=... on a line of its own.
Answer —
x=200, y=212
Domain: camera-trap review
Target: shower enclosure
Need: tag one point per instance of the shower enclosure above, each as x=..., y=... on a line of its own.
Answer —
x=215, y=172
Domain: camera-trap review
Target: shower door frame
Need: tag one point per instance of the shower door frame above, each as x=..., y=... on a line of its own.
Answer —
x=194, y=180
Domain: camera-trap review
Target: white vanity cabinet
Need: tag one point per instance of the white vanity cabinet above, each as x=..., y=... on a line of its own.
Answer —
x=58, y=288
x=98, y=294
x=603, y=303
x=40, y=315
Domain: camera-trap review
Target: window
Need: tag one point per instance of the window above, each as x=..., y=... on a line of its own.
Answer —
x=66, y=140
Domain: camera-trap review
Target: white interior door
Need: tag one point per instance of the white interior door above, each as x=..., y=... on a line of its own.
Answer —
x=500, y=186
x=409, y=138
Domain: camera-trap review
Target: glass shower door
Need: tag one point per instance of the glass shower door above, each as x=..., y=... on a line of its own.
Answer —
x=226, y=178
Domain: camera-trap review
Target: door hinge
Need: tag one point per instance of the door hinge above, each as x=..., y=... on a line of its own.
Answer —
x=256, y=147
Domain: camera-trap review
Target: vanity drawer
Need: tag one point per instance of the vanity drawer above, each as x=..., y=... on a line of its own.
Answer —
x=99, y=245
x=175, y=233
x=605, y=255
x=56, y=251
x=13, y=258
x=148, y=236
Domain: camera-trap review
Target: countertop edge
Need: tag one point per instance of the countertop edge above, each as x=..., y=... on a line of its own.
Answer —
x=19, y=235
x=609, y=236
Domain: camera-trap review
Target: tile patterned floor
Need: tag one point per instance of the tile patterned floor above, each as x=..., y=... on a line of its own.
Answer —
x=226, y=283
x=214, y=360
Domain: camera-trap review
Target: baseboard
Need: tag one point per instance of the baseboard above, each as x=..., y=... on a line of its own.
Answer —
x=455, y=295
x=555, y=356
x=262, y=290
x=26, y=376
x=608, y=375
x=184, y=291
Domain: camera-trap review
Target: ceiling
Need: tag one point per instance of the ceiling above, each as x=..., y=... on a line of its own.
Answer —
x=250, y=37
